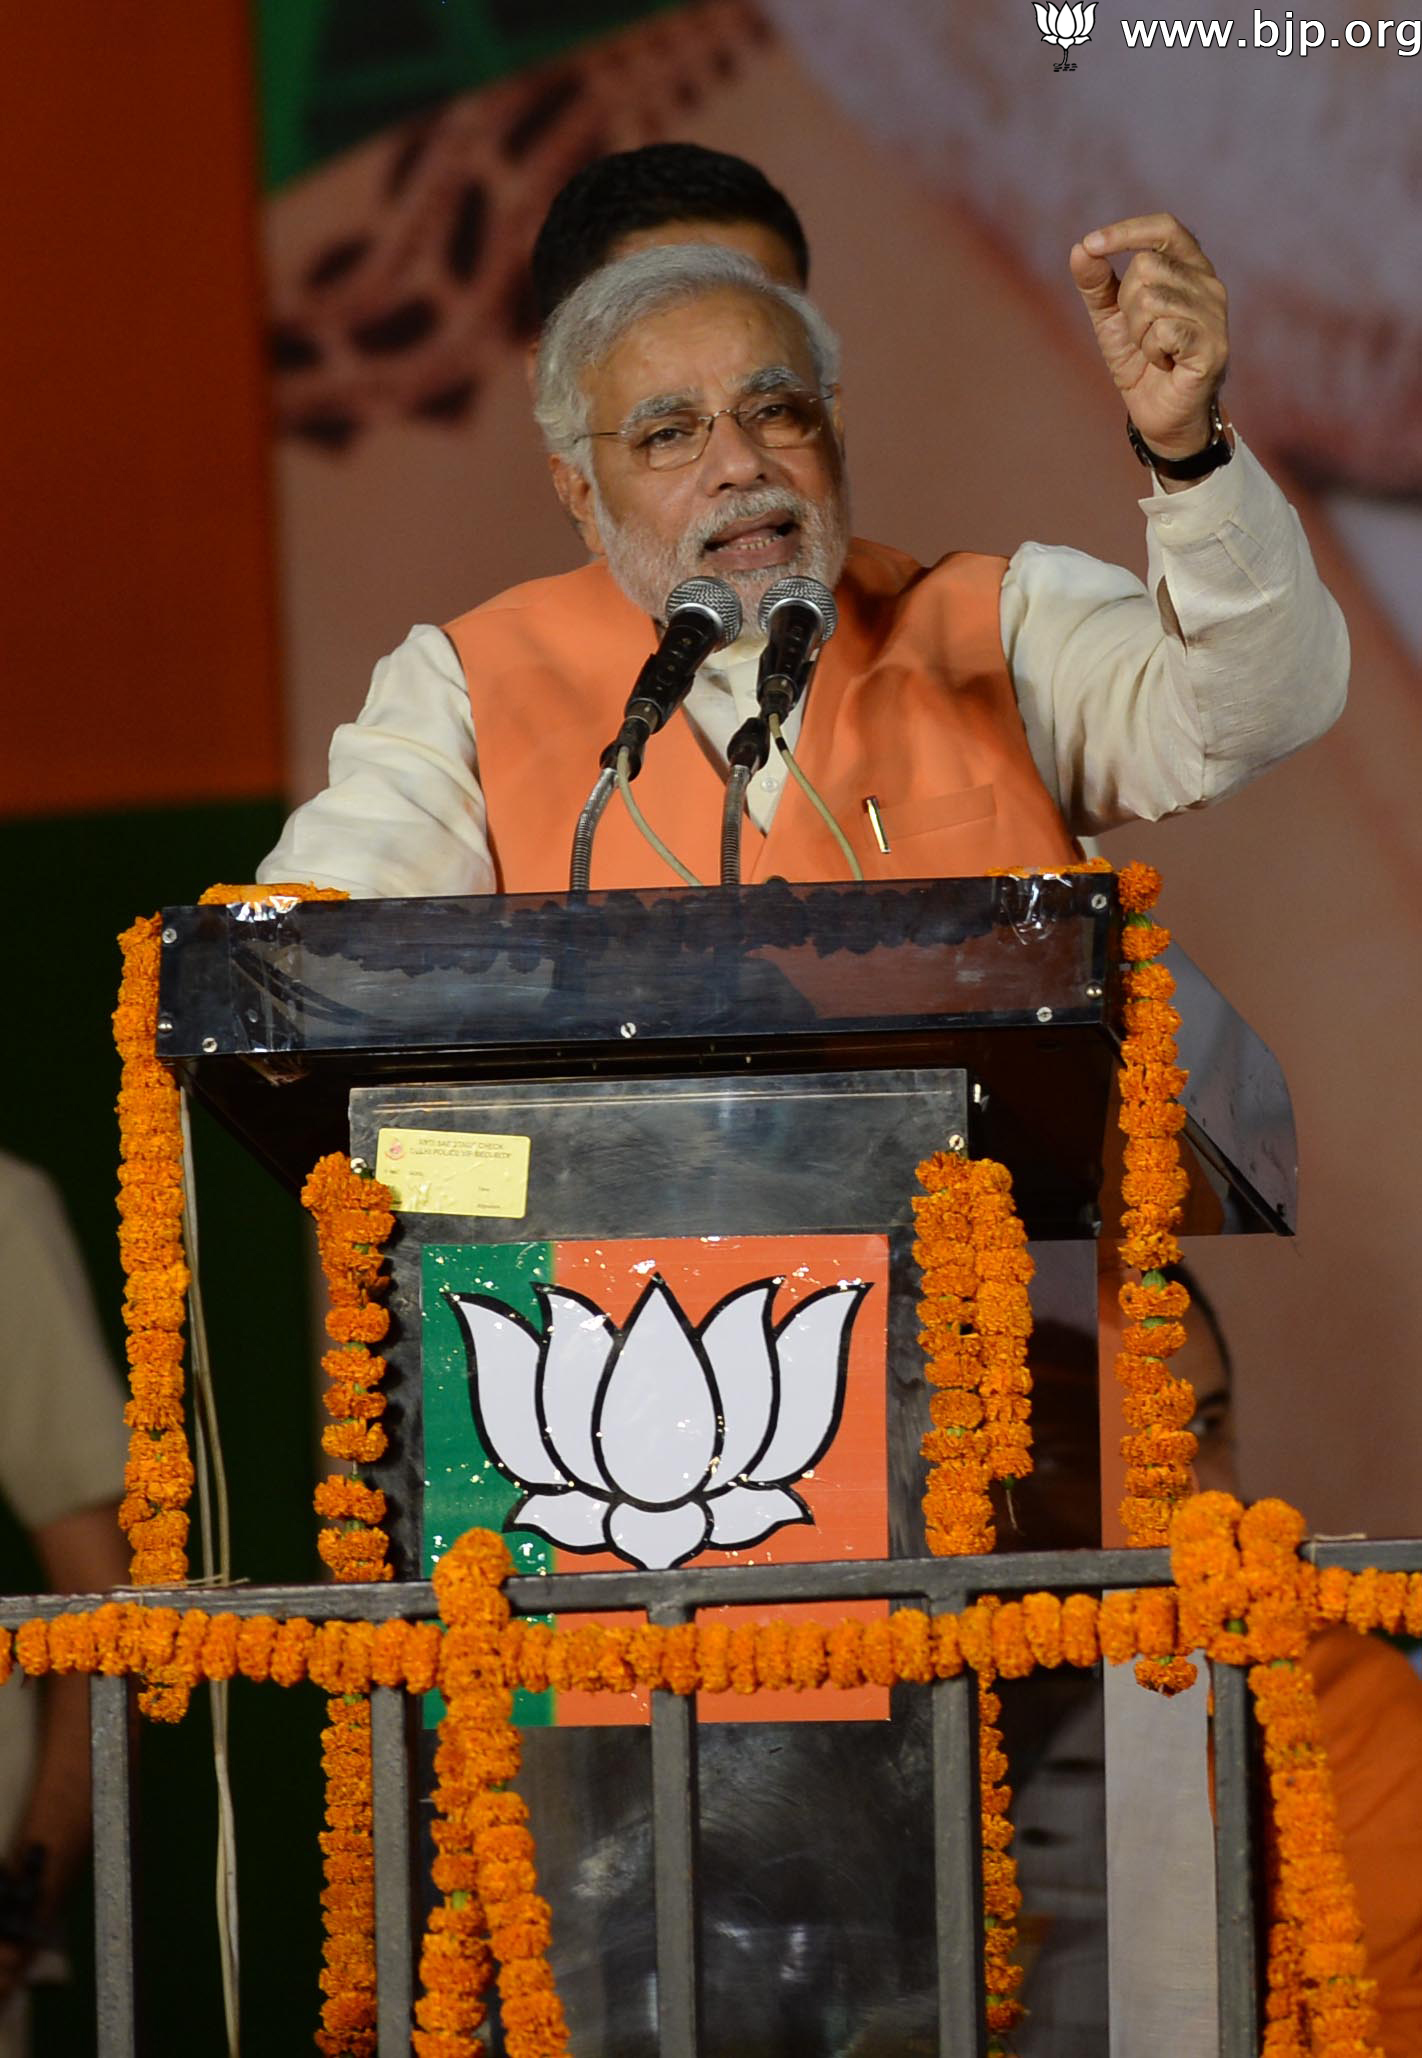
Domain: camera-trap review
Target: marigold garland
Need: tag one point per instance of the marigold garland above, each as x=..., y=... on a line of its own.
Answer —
x=158, y=1478
x=348, y=2027
x=354, y=1219
x=1246, y=1596
x=1158, y=1448
x=485, y=1867
x=975, y=1318
x=159, y=1475
x=1002, y=1897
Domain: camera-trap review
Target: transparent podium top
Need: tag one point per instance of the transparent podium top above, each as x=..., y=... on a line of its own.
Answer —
x=275, y=1011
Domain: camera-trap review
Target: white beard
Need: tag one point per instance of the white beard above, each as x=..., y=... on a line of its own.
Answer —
x=647, y=568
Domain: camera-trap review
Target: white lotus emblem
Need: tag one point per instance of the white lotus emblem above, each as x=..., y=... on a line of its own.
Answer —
x=1066, y=27
x=659, y=1439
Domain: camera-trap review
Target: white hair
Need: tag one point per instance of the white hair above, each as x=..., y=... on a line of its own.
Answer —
x=599, y=312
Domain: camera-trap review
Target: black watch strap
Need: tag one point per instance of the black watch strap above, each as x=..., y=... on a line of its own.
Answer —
x=1218, y=451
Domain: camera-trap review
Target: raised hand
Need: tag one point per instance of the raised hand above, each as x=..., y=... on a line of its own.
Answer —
x=1162, y=326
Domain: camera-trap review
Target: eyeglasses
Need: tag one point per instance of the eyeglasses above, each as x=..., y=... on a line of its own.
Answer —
x=773, y=421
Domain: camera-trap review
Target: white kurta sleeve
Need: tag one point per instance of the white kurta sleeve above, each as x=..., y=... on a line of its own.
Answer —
x=403, y=814
x=1139, y=701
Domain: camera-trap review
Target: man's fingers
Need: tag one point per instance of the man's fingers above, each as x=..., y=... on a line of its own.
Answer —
x=1165, y=342
x=1160, y=232
x=1159, y=268
x=1153, y=297
x=1095, y=280
x=1162, y=326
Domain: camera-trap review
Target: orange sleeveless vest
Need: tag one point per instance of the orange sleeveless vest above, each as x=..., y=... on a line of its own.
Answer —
x=911, y=703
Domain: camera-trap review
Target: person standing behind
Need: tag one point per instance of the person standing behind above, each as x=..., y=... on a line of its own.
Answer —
x=62, y=1449
x=663, y=193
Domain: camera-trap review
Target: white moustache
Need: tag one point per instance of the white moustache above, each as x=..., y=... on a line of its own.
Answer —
x=747, y=507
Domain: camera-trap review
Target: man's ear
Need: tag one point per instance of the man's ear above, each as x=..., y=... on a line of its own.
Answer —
x=836, y=412
x=575, y=492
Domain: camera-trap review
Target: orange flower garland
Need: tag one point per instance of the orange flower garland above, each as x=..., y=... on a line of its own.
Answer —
x=348, y=1897
x=1246, y=1596
x=353, y=1220
x=127, y=1638
x=1002, y=1897
x=159, y=1475
x=976, y=1319
x=1158, y=1447
x=485, y=1866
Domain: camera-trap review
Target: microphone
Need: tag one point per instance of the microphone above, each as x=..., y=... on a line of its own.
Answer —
x=702, y=615
x=799, y=617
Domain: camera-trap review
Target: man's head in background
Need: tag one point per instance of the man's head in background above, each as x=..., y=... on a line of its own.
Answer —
x=1207, y=1364
x=1058, y=1505
x=664, y=193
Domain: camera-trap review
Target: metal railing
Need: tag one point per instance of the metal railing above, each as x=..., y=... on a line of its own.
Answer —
x=939, y=1585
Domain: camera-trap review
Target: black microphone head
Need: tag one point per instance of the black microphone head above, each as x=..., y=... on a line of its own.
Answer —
x=709, y=596
x=809, y=593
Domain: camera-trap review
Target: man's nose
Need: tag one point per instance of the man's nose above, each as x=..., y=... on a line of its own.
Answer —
x=731, y=458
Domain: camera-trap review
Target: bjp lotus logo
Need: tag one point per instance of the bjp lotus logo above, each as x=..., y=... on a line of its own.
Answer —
x=1066, y=27
x=658, y=1439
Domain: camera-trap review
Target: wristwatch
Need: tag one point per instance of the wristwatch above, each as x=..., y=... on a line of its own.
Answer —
x=1218, y=451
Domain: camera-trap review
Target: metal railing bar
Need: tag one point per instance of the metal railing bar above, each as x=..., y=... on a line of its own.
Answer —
x=1361, y=1553
x=111, y=1758
x=904, y=1579
x=394, y=1828
x=694, y=1587
x=674, y=1867
x=347, y=1603
x=958, y=1862
x=1234, y=1867
x=687, y=1588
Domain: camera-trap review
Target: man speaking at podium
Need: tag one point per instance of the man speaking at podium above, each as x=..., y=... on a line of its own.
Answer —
x=977, y=713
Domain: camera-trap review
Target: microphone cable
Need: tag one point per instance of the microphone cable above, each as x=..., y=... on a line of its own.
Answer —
x=798, y=616
x=667, y=855
x=212, y=1492
x=856, y=870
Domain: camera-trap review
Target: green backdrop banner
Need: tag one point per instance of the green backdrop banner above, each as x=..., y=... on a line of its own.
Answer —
x=333, y=72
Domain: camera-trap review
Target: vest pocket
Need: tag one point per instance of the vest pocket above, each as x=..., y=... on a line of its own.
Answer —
x=903, y=819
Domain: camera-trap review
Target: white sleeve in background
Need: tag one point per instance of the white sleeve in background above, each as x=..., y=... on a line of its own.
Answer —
x=1142, y=700
x=403, y=814
x=62, y=1439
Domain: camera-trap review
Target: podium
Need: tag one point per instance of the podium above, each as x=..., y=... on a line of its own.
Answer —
x=651, y=1106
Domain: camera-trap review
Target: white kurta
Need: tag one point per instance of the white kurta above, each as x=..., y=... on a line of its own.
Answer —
x=1138, y=700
